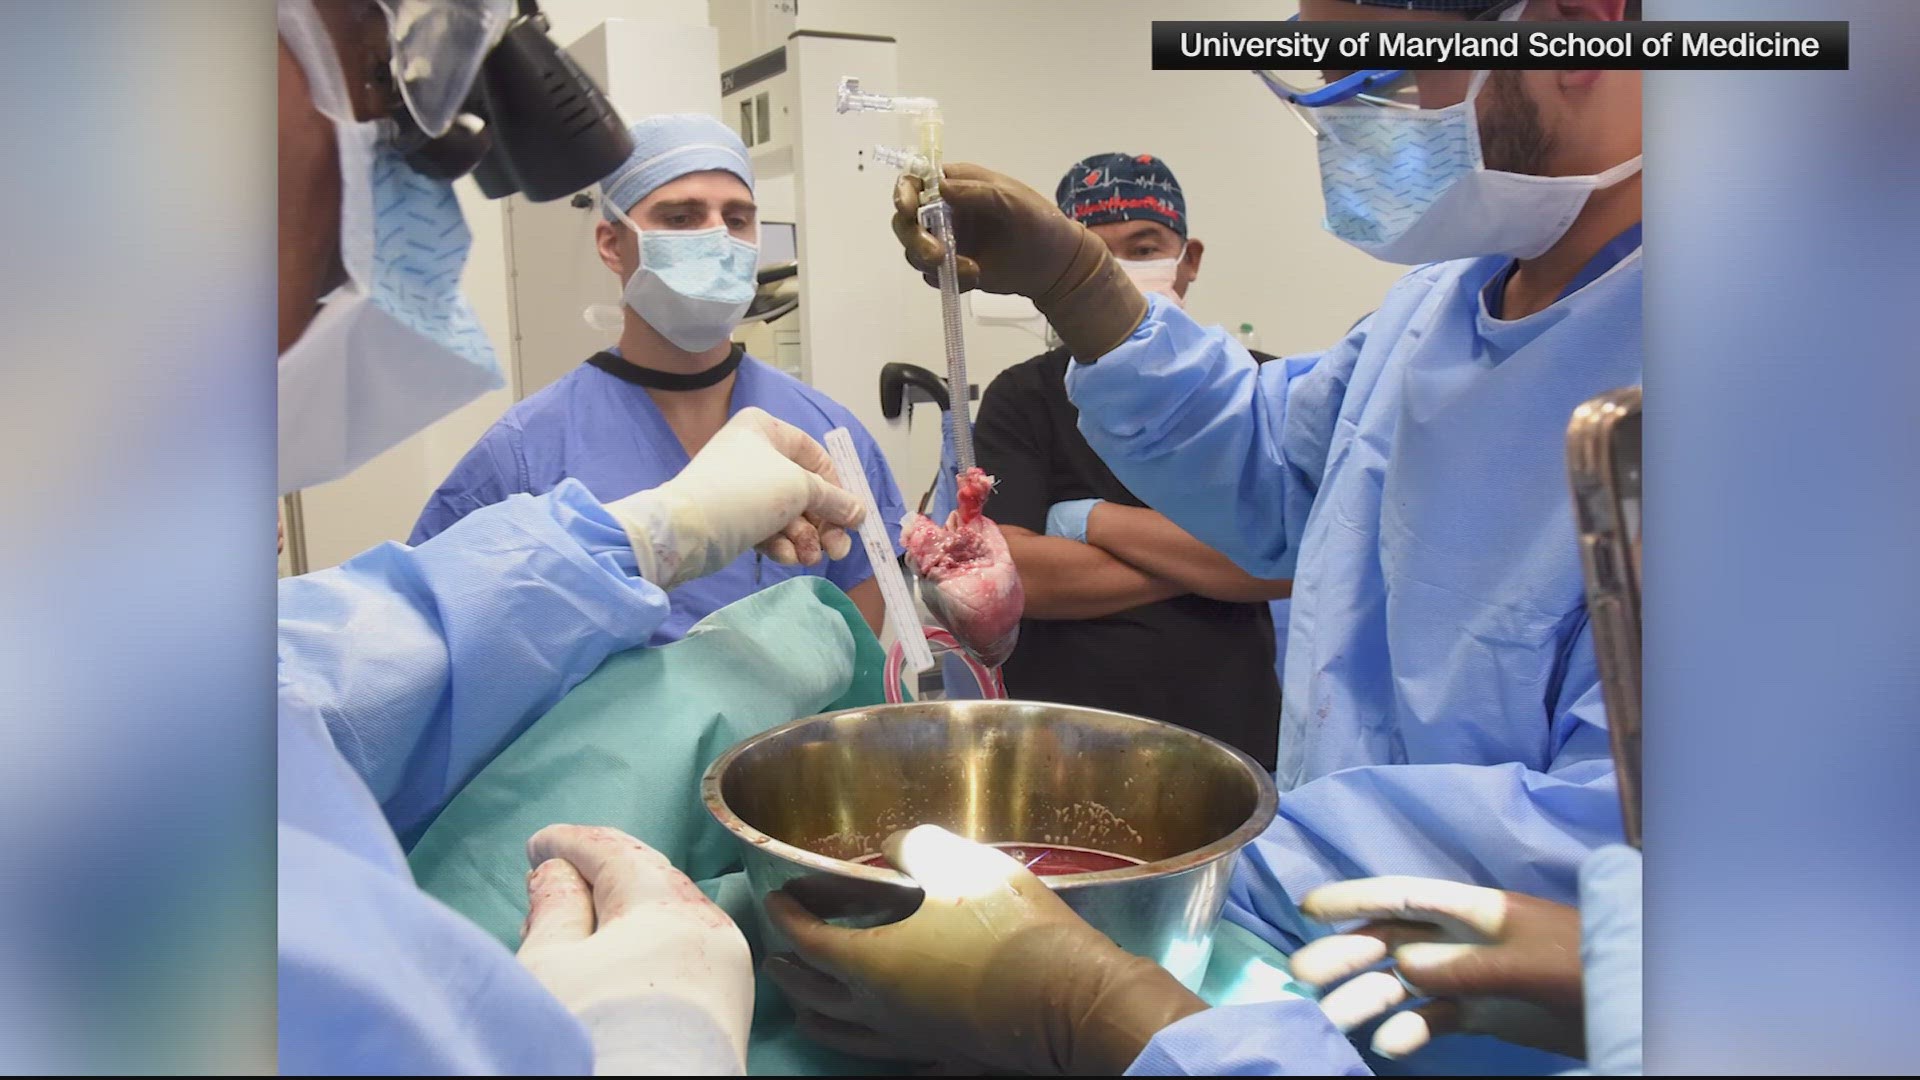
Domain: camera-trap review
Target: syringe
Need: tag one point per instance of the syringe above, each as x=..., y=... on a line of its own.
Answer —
x=937, y=217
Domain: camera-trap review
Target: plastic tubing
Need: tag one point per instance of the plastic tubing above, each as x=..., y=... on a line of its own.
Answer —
x=937, y=216
x=992, y=685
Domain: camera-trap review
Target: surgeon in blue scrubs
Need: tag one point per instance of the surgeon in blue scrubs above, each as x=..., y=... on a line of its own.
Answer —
x=404, y=670
x=680, y=231
x=1442, y=715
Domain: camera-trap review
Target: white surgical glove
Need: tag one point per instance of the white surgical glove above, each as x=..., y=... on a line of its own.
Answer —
x=660, y=976
x=758, y=483
x=1493, y=963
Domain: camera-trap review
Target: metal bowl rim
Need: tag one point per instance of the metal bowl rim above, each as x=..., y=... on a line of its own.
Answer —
x=1266, y=806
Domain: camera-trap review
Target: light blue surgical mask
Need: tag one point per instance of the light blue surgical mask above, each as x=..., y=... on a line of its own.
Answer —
x=692, y=286
x=420, y=247
x=1408, y=185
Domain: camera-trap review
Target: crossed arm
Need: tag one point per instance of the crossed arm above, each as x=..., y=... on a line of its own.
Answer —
x=1150, y=541
x=1066, y=579
x=1132, y=556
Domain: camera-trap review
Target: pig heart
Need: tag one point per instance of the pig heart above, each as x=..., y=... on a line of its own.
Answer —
x=967, y=577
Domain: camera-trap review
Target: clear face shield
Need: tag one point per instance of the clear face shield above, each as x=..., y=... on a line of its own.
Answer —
x=478, y=88
x=438, y=47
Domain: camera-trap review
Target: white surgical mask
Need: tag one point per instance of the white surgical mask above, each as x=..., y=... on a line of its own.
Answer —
x=1410, y=186
x=1156, y=275
x=398, y=347
x=692, y=286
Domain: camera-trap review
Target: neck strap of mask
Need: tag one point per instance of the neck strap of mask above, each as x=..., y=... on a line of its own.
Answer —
x=654, y=379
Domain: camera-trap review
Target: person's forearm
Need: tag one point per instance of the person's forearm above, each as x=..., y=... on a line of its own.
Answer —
x=866, y=596
x=1065, y=579
x=1148, y=540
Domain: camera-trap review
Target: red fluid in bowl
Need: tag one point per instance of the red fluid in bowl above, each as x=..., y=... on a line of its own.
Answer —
x=1045, y=860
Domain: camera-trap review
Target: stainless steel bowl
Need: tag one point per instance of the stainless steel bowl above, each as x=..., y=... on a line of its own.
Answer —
x=806, y=797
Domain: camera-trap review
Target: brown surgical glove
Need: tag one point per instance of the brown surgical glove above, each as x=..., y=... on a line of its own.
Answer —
x=1011, y=239
x=992, y=970
x=1491, y=963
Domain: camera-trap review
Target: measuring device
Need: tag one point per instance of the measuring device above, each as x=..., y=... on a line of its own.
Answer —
x=886, y=568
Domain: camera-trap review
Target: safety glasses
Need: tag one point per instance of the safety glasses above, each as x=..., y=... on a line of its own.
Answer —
x=1385, y=87
x=438, y=47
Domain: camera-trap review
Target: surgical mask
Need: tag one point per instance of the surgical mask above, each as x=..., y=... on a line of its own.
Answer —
x=1410, y=186
x=692, y=286
x=397, y=347
x=1156, y=275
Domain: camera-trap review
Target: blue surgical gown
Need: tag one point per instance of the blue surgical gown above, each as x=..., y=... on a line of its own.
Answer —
x=1292, y=1037
x=1282, y=617
x=1610, y=956
x=402, y=672
x=1440, y=708
x=608, y=434
x=1441, y=711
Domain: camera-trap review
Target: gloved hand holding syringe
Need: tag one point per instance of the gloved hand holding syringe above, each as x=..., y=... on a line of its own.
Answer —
x=967, y=577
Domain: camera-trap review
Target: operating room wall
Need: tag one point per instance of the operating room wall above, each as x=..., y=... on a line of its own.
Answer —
x=1027, y=87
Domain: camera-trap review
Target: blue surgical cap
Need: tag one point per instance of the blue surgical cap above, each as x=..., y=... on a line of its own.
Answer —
x=666, y=148
x=1113, y=187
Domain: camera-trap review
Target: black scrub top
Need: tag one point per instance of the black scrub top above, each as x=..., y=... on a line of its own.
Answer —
x=1204, y=664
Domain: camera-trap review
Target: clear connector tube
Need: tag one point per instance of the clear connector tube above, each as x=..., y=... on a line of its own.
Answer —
x=937, y=216
x=850, y=98
x=905, y=160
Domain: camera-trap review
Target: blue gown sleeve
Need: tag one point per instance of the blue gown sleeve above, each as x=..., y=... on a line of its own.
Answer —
x=494, y=469
x=1177, y=400
x=375, y=978
x=1287, y=1037
x=855, y=568
x=1503, y=826
x=1610, y=954
x=425, y=662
